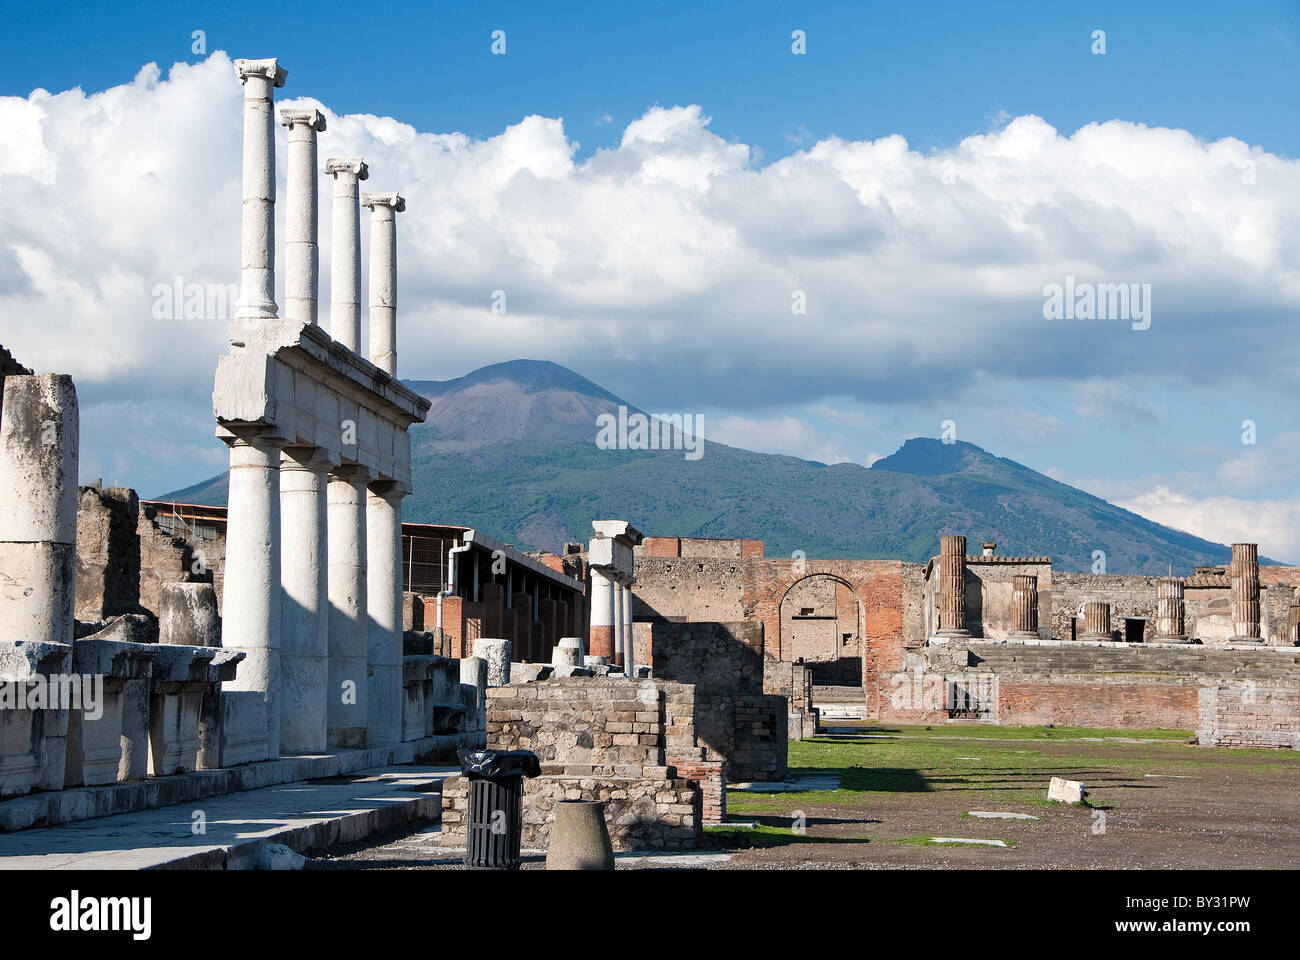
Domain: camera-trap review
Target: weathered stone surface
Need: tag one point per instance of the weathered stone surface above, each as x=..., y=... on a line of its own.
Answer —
x=496, y=653
x=188, y=615
x=1065, y=791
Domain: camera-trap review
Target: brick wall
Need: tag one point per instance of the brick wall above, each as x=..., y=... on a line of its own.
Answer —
x=1249, y=714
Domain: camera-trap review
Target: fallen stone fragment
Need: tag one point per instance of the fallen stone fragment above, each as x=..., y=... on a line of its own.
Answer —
x=1000, y=815
x=982, y=843
x=1065, y=791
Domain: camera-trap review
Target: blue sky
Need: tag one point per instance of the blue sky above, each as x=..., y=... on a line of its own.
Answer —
x=651, y=183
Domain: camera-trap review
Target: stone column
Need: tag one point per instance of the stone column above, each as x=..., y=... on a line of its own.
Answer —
x=1245, y=593
x=304, y=614
x=345, y=252
x=1024, y=607
x=629, y=644
x=952, y=588
x=602, y=613
x=384, y=699
x=619, y=625
x=1293, y=626
x=251, y=592
x=348, y=633
x=1096, y=621
x=301, y=216
x=1171, y=611
x=39, y=439
x=384, y=208
x=257, y=232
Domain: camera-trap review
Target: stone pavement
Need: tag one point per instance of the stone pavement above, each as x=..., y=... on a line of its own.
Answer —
x=303, y=815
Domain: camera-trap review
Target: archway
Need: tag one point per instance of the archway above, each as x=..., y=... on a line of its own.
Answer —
x=821, y=624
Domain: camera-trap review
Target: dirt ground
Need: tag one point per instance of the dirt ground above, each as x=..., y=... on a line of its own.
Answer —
x=883, y=794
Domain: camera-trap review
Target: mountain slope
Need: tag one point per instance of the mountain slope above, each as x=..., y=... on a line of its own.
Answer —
x=509, y=449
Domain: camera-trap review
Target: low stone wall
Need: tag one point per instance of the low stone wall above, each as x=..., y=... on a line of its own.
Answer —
x=1249, y=714
x=642, y=813
x=1079, y=683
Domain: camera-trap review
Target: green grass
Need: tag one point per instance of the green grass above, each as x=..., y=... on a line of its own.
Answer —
x=1012, y=767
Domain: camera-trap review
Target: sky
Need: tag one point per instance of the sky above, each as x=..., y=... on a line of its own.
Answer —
x=822, y=252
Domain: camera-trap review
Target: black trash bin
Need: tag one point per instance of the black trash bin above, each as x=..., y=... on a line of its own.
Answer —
x=496, y=805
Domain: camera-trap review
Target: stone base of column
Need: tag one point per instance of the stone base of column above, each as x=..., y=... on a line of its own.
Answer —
x=1023, y=635
x=1245, y=639
x=1172, y=638
x=962, y=634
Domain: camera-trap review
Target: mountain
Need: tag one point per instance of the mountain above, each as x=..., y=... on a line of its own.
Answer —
x=509, y=449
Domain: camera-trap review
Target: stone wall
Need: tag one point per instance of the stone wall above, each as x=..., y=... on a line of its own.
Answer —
x=601, y=738
x=687, y=589
x=1249, y=714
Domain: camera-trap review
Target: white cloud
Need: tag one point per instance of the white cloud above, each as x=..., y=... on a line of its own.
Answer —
x=1273, y=524
x=675, y=253
x=788, y=435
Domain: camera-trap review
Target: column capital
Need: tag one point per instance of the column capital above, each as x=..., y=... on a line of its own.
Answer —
x=388, y=489
x=354, y=165
x=314, y=459
x=312, y=118
x=378, y=200
x=266, y=69
x=351, y=472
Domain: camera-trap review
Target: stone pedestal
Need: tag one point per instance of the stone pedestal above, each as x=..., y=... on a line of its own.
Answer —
x=1024, y=607
x=1244, y=572
x=1171, y=612
x=348, y=683
x=187, y=615
x=952, y=588
x=1096, y=621
x=568, y=653
x=496, y=653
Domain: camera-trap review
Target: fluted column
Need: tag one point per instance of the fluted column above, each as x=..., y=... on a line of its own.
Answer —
x=1096, y=621
x=304, y=613
x=384, y=700
x=251, y=602
x=345, y=251
x=1171, y=611
x=602, y=613
x=301, y=216
x=952, y=587
x=1244, y=572
x=1024, y=607
x=1293, y=626
x=348, y=635
x=384, y=208
x=257, y=231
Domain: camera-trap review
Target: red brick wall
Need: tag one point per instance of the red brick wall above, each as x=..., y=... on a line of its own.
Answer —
x=710, y=775
x=661, y=547
x=751, y=548
x=1172, y=706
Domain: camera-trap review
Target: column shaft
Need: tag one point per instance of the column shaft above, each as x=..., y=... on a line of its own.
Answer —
x=301, y=216
x=304, y=615
x=345, y=252
x=1244, y=572
x=257, y=232
x=1096, y=621
x=1171, y=611
x=602, y=613
x=384, y=605
x=1024, y=607
x=384, y=208
x=347, y=683
x=952, y=587
x=251, y=592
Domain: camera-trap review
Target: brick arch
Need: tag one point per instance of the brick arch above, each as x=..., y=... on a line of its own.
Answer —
x=878, y=586
x=834, y=578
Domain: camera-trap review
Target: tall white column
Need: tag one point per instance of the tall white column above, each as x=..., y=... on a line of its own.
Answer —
x=257, y=232
x=251, y=593
x=629, y=648
x=384, y=606
x=384, y=208
x=347, y=683
x=619, y=642
x=301, y=216
x=304, y=613
x=602, y=613
x=345, y=251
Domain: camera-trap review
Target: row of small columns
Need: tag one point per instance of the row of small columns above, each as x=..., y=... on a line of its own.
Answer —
x=312, y=582
x=611, y=617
